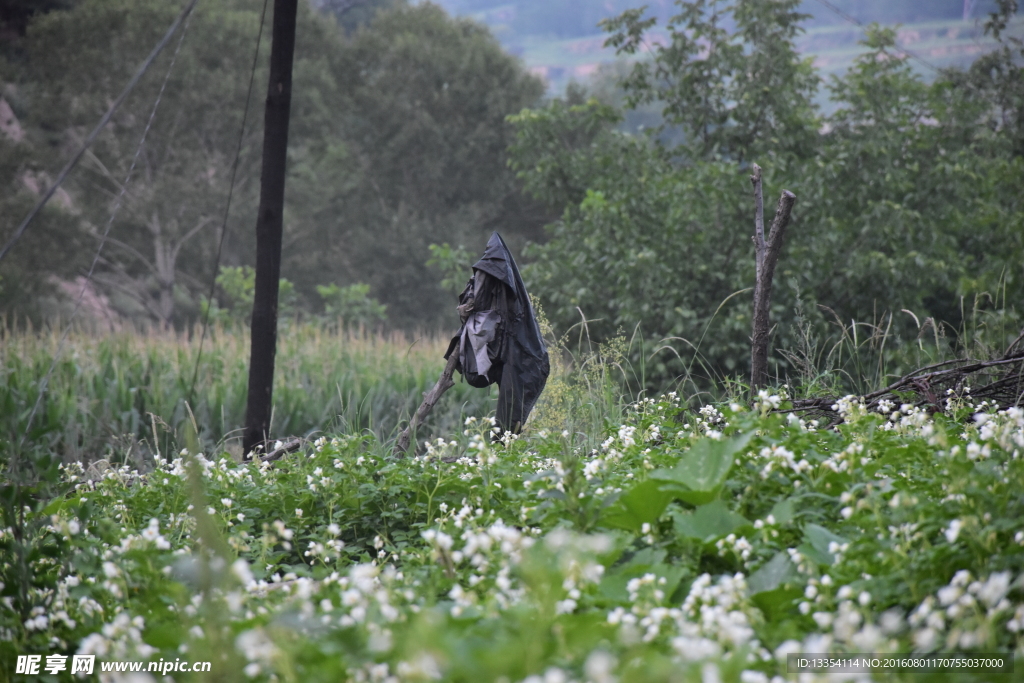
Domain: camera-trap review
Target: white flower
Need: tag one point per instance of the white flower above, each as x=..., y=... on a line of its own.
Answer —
x=787, y=648
x=600, y=667
x=949, y=594
x=240, y=568
x=995, y=589
x=709, y=674
x=925, y=639
x=868, y=638
x=892, y=621
x=555, y=675
x=953, y=531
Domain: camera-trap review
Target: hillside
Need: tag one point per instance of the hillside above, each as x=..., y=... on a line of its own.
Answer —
x=560, y=39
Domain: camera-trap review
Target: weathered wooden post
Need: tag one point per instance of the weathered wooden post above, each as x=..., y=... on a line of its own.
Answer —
x=767, y=256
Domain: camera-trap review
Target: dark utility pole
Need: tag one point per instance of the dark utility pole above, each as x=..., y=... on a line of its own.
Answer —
x=269, y=223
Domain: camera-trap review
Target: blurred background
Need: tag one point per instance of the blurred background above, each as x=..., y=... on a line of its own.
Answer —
x=609, y=144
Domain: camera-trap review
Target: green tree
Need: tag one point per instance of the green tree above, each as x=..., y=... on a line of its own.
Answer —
x=397, y=140
x=640, y=241
x=998, y=77
x=353, y=305
x=419, y=121
x=55, y=247
x=904, y=202
x=739, y=93
x=161, y=242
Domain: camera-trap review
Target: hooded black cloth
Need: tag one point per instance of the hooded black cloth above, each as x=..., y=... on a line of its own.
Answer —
x=500, y=339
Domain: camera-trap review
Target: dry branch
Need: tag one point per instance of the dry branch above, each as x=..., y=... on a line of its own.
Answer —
x=767, y=256
x=289, y=446
x=999, y=380
x=444, y=383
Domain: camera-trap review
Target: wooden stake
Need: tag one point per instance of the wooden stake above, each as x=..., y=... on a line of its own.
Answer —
x=444, y=383
x=767, y=256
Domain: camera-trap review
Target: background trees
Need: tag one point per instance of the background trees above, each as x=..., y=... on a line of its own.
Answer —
x=397, y=140
x=905, y=194
x=420, y=124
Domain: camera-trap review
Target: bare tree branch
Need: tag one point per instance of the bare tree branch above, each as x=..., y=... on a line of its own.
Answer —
x=444, y=383
x=767, y=255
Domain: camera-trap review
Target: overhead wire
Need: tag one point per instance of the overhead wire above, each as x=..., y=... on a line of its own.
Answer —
x=186, y=16
x=854, y=20
x=973, y=87
x=99, y=127
x=227, y=207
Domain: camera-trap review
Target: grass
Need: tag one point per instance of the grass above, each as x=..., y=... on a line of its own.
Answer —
x=128, y=394
x=617, y=539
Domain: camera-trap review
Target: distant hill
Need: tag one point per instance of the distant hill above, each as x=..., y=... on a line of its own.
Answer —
x=560, y=39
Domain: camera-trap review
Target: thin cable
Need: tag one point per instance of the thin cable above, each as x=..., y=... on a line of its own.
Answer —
x=96, y=131
x=106, y=232
x=227, y=208
x=854, y=20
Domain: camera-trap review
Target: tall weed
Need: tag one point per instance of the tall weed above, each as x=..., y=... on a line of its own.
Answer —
x=130, y=394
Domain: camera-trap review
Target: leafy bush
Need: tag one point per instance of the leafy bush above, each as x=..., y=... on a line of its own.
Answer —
x=454, y=265
x=666, y=546
x=239, y=287
x=904, y=201
x=352, y=304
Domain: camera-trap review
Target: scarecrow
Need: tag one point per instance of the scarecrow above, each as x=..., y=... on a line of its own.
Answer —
x=499, y=342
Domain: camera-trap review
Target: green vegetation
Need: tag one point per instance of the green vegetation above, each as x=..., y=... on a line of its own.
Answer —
x=130, y=397
x=647, y=545
x=907, y=195
x=699, y=536
x=397, y=140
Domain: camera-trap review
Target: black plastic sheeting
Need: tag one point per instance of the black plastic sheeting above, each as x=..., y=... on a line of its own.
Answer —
x=500, y=340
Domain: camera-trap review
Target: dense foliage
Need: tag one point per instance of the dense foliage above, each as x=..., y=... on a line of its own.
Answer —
x=540, y=19
x=129, y=396
x=661, y=546
x=907, y=193
x=397, y=139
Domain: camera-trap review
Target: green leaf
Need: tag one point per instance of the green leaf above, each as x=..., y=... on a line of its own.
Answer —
x=784, y=511
x=819, y=538
x=56, y=505
x=643, y=503
x=778, y=571
x=703, y=469
x=775, y=603
x=708, y=522
x=645, y=561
